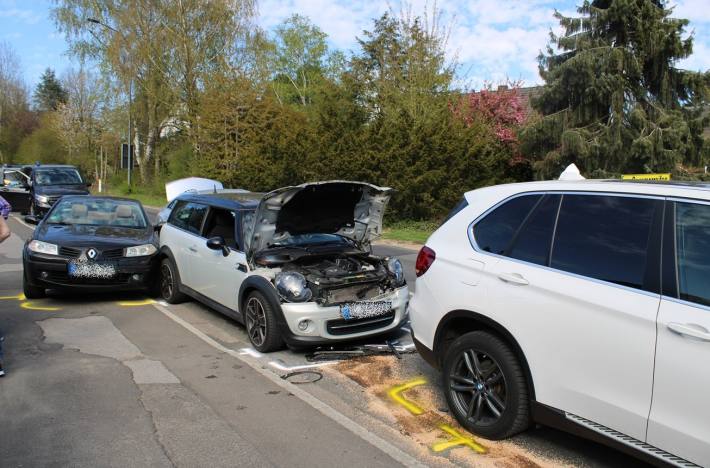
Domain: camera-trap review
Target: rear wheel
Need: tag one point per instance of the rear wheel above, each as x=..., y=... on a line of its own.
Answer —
x=32, y=292
x=485, y=386
x=170, y=283
x=260, y=319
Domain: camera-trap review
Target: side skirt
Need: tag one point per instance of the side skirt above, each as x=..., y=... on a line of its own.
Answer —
x=212, y=304
x=549, y=416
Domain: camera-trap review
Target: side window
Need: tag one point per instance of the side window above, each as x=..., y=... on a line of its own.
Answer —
x=604, y=237
x=496, y=230
x=221, y=223
x=188, y=216
x=532, y=244
x=693, y=252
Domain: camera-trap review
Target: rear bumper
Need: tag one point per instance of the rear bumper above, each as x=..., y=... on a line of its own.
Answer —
x=51, y=272
x=427, y=354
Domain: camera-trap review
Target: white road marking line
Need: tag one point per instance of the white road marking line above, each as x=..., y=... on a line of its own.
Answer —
x=251, y=352
x=327, y=410
x=163, y=303
x=16, y=218
x=281, y=367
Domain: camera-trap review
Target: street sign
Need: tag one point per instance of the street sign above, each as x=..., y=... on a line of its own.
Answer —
x=124, y=156
x=646, y=176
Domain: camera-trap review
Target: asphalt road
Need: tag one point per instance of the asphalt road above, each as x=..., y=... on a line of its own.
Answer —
x=124, y=380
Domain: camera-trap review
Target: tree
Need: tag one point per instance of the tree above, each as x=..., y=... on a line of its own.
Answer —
x=50, y=93
x=614, y=100
x=16, y=118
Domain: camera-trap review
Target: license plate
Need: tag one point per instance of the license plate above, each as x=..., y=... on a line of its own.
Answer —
x=358, y=310
x=91, y=270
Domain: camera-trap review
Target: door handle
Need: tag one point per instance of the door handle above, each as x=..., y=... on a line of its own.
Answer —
x=192, y=249
x=513, y=278
x=690, y=329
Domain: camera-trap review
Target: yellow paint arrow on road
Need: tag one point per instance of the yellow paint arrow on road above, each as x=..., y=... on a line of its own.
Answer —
x=142, y=302
x=457, y=441
x=32, y=306
x=18, y=297
x=394, y=393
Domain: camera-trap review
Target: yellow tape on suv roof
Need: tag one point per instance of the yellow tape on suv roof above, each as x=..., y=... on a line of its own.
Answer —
x=646, y=177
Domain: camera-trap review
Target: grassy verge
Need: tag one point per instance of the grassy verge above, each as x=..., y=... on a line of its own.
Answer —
x=409, y=231
x=146, y=197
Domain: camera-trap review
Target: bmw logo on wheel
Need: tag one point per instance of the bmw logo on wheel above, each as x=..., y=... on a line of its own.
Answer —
x=91, y=253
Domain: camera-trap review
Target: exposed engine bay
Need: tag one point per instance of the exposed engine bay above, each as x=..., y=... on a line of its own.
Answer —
x=335, y=278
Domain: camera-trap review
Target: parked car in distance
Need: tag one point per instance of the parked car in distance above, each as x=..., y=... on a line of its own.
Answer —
x=15, y=186
x=293, y=265
x=91, y=243
x=583, y=305
x=50, y=182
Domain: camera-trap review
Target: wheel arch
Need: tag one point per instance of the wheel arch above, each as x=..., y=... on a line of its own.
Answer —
x=460, y=322
x=261, y=284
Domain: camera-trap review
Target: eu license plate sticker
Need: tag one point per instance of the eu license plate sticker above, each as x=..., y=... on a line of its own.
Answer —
x=91, y=270
x=358, y=310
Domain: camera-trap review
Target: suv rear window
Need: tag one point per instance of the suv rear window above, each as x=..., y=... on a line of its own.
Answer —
x=604, y=237
x=496, y=230
x=693, y=252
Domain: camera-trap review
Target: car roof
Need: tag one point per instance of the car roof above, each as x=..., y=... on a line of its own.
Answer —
x=680, y=189
x=227, y=200
x=53, y=166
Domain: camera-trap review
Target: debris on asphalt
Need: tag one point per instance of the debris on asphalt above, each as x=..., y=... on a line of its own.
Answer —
x=334, y=353
x=302, y=377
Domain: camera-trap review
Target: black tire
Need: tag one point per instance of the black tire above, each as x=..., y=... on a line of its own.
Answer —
x=32, y=292
x=169, y=283
x=261, y=323
x=482, y=377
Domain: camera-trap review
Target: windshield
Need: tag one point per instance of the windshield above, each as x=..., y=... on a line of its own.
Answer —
x=98, y=212
x=311, y=239
x=57, y=176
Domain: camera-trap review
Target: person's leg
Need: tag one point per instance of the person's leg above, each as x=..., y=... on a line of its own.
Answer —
x=4, y=229
x=2, y=367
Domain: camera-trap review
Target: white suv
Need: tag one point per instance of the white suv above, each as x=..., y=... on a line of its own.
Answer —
x=583, y=305
x=294, y=265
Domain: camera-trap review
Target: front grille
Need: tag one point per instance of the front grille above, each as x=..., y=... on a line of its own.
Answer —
x=69, y=252
x=113, y=253
x=342, y=327
x=62, y=277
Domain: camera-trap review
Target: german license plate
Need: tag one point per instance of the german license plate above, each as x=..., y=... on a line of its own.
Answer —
x=91, y=270
x=358, y=310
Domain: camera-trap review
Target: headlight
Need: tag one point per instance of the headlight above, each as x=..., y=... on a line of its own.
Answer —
x=292, y=286
x=140, y=250
x=43, y=247
x=42, y=199
x=395, y=268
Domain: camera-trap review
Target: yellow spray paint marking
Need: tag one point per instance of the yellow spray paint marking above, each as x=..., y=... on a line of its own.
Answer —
x=143, y=302
x=457, y=441
x=31, y=306
x=394, y=393
x=19, y=297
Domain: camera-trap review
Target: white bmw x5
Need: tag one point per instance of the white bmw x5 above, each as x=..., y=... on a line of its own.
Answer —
x=583, y=305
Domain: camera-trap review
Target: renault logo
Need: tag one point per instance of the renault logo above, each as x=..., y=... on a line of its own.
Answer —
x=92, y=253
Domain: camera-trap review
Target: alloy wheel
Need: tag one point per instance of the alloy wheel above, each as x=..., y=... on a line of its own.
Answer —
x=167, y=284
x=256, y=321
x=478, y=388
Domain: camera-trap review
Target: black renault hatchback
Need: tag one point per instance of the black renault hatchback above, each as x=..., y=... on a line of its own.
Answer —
x=88, y=242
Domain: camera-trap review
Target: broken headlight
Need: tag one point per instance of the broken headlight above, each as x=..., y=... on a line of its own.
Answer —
x=292, y=286
x=394, y=266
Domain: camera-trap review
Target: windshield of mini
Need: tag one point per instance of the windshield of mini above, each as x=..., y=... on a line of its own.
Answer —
x=98, y=212
x=311, y=239
x=57, y=176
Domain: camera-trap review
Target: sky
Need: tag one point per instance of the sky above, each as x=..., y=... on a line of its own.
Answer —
x=493, y=40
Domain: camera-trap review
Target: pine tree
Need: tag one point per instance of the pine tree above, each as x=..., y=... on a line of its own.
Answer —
x=614, y=100
x=49, y=93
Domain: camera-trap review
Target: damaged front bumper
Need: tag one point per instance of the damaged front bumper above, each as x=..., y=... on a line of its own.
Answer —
x=309, y=323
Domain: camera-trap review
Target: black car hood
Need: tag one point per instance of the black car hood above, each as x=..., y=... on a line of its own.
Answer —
x=78, y=235
x=349, y=209
x=54, y=190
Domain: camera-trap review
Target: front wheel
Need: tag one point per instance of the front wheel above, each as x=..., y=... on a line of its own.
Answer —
x=32, y=292
x=485, y=386
x=170, y=283
x=260, y=319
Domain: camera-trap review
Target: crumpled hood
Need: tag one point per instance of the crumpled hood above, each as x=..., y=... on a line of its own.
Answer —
x=350, y=209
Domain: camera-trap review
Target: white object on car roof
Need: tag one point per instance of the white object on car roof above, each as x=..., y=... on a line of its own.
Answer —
x=190, y=184
x=571, y=173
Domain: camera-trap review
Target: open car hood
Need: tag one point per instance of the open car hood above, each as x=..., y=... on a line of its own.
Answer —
x=350, y=209
x=190, y=184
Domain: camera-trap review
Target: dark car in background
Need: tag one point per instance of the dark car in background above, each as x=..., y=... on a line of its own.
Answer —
x=90, y=243
x=15, y=186
x=51, y=182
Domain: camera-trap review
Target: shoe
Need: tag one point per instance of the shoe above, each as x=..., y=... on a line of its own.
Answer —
x=2, y=372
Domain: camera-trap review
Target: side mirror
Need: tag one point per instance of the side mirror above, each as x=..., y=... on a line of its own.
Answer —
x=157, y=227
x=217, y=243
x=31, y=219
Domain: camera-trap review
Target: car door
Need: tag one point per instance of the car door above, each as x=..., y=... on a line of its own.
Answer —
x=679, y=421
x=576, y=287
x=219, y=277
x=15, y=189
x=183, y=236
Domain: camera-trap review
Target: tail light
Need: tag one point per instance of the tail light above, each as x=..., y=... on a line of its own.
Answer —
x=424, y=260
